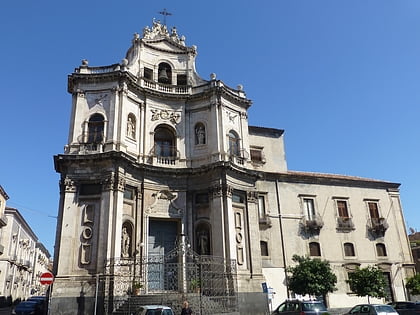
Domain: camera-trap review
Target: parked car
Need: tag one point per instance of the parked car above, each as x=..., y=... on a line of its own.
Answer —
x=372, y=309
x=154, y=310
x=27, y=308
x=299, y=307
x=406, y=308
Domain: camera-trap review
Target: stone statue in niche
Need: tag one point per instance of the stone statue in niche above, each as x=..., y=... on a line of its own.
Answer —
x=203, y=242
x=130, y=128
x=200, y=135
x=125, y=243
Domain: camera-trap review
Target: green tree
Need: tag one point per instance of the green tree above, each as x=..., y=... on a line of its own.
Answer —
x=368, y=281
x=413, y=284
x=311, y=276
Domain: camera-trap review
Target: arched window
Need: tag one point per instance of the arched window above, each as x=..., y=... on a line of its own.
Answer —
x=96, y=129
x=381, y=250
x=349, y=249
x=200, y=134
x=164, y=142
x=264, y=248
x=131, y=126
x=314, y=249
x=165, y=73
x=234, y=148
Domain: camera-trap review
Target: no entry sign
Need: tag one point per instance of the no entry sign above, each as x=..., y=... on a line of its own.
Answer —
x=47, y=278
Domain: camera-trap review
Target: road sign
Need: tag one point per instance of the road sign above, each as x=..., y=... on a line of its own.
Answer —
x=47, y=278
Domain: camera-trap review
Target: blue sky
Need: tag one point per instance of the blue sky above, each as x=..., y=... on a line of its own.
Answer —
x=341, y=78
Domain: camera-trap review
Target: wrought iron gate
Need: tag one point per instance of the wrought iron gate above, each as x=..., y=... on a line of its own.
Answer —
x=208, y=282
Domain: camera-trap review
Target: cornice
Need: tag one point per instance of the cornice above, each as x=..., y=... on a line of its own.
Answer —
x=331, y=180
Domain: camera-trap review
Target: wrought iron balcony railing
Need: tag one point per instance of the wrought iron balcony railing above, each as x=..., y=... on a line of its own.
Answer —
x=345, y=224
x=313, y=224
x=377, y=226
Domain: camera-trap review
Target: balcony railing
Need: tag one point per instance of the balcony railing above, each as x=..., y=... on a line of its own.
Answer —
x=377, y=226
x=313, y=224
x=164, y=154
x=238, y=157
x=165, y=88
x=345, y=224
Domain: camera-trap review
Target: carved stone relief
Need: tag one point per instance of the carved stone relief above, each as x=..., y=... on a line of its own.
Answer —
x=239, y=236
x=88, y=216
x=164, y=204
x=163, y=114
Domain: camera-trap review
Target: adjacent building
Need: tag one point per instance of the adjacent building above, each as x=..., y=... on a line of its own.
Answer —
x=167, y=188
x=20, y=261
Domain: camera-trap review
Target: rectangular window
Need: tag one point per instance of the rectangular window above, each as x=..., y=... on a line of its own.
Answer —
x=342, y=209
x=264, y=248
x=309, y=208
x=90, y=189
x=261, y=207
x=181, y=79
x=148, y=74
x=129, y=194
x=256, y=155
x=373, y=210
x=238, y=198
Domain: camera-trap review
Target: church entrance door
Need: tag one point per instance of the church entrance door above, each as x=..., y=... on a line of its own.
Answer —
x=161, y=240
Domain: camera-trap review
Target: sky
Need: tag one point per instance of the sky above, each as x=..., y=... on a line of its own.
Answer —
x=341, y=77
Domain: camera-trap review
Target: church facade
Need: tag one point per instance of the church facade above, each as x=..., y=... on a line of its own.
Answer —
x=165, y=188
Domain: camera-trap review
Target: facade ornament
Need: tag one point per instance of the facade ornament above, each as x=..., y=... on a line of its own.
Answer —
x=164, y=114
x=160, y=30
x=125, y=243
x=200, y=134
x=165, y=204
x=252, y=196
x=231, y=116
x=69, y=185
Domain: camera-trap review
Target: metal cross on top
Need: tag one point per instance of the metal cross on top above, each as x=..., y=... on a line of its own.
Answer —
x=165, y=14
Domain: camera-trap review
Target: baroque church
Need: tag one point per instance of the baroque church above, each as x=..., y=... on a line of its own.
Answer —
x=167, y=193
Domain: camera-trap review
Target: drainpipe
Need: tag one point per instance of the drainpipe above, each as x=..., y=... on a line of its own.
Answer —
x=282, y=238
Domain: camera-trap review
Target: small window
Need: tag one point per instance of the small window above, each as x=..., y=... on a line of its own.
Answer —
x=238, y=198
x=148, y=74
x=381, y=250
x=309, y=208
x=314, y=249
x=129, y=193
x=264, y=248
x=342, y=209
x=90, y=189
x=349, y=249
x=181, y=79
x=257, y=155
x=373, y=210
x=261, y=207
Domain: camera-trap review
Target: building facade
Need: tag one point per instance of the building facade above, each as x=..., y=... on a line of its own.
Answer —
x=19, y=260
x=164, y=184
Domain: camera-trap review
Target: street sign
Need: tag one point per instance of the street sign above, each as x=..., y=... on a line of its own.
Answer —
x=47, y=278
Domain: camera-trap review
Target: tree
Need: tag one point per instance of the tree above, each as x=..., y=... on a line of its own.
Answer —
x=413, y=284
x=368, y=282
x=311, y=276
